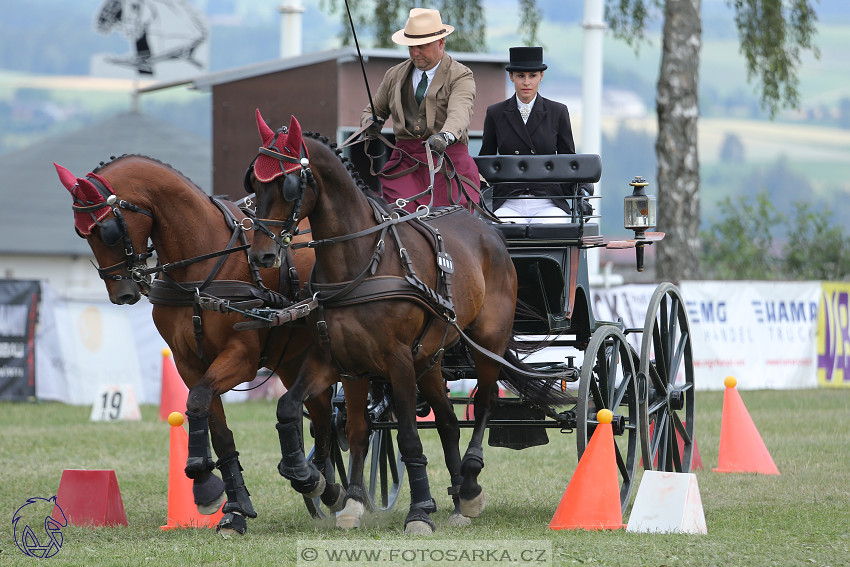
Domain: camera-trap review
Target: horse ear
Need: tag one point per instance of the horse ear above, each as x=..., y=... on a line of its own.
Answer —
x=266, y=133
x=66, y=177
x=294, y=133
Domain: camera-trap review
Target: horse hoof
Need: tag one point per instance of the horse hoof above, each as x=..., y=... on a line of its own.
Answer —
x=349, y=517
x=215, y=506
x=232, y=524
x=458, y=520
x=418, y=527
x=472, y=508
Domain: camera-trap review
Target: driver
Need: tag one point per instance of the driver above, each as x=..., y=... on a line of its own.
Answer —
x=429, y=98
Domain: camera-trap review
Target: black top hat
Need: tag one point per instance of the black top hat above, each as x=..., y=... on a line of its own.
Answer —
x=526, y=59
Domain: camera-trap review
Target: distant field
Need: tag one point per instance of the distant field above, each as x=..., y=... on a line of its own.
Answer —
x=798, y=518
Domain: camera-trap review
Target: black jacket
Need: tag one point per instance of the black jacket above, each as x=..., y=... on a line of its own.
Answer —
x=548, y=131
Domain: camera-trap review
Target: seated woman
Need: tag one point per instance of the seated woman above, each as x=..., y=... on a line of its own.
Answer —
x=528, y=124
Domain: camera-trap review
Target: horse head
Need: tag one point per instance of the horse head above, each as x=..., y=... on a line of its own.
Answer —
x=98, y=218
x=279, y=176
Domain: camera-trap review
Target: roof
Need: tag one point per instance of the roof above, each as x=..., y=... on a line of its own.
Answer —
x=341, y=55
x=36, y=217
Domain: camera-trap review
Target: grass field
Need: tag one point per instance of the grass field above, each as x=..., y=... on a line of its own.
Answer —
x=800, y=517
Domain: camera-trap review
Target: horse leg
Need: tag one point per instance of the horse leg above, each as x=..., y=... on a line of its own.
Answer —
x=304, y=476
x=238, y=505
x=472, y=500
x=321, y=413
x=422, y=505
x=208, y=490
x=432, y=387
x=357, y=431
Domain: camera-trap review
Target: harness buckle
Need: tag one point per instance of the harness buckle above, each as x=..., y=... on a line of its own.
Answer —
x=246, y=224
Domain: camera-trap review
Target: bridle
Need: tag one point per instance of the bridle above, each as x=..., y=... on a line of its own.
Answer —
x=291, y=190
x=114, y=231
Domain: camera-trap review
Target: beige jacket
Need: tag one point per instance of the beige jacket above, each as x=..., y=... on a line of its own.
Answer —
x=447, y=106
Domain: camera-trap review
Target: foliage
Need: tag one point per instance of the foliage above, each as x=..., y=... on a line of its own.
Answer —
x=744, y=243
x=816, y=249
x=740, y=245
x=772, y=34
x=379, y=19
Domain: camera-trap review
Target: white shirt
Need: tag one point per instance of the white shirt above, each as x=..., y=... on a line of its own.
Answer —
x=530, y=105
x=417, y=76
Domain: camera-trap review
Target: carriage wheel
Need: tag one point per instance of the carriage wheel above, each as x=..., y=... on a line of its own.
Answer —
x=608, y=381
x=666, y=382
x=383, y=471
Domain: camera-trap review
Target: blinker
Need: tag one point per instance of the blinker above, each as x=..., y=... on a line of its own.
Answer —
x=291, y=189
x=110, y=232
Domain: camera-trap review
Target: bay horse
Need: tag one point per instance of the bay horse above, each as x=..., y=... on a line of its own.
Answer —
x=394, y=292
x=132, y=199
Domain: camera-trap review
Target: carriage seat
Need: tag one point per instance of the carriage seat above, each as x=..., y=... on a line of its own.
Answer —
x=547, y=231
x=557, y=168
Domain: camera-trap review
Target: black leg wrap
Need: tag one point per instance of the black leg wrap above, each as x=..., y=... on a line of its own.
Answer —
x=199, y=463
x=330, y=496
x=454, y=489
x=238, y=497
x=417, y=475
x=293, y=466
x=232, y=522
x=473, y=460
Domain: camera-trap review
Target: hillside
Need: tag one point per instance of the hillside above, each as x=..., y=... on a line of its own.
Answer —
x=45, y=90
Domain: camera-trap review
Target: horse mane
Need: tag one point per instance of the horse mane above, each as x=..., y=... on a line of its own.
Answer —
x=352, y=171
x=115, y=159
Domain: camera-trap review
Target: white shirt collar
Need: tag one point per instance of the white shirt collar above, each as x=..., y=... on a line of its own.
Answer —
x=417, y=75
x=520, y=104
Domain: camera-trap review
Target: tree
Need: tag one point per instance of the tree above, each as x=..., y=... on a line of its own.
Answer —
x=772, y=34
x=740, y=245
x=754, y=241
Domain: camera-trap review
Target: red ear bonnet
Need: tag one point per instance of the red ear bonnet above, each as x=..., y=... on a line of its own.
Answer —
x=285, y=141
x=85, y=194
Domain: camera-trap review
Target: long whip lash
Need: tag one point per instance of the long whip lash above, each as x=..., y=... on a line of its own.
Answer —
x=362, y=67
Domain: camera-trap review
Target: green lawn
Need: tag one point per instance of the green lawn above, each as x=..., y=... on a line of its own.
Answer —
x=799, y=517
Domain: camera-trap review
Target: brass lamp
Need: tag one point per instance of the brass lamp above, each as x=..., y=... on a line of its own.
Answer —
x=639, y=215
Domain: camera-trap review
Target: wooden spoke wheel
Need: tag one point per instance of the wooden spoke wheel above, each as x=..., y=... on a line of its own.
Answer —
x=383, y=471
x=608, y=380
x=666, y=384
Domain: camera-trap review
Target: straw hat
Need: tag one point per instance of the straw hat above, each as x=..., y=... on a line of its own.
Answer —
x=423, y=26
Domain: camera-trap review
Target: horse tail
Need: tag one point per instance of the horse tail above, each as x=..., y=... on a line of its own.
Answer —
x=540, y=390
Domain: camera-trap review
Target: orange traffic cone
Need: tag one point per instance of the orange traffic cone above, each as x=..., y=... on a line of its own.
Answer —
x=182, y=511
x=741, y=446
x=592, y=498
x=173, y=395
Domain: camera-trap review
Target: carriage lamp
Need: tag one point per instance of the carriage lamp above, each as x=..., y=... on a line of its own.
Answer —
x=639, y=215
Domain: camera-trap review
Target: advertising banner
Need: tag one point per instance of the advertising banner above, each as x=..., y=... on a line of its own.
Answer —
x=18, y=316
x=833, y=338
x=762, y=333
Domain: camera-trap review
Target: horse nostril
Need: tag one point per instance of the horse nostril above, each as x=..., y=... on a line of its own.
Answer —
x=128, y=298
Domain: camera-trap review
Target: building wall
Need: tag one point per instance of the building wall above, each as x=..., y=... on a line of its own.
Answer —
x=309, y=93
x=72, y=277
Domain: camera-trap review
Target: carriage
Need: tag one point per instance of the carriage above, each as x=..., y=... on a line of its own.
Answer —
x=204, y=278
x=647, y=382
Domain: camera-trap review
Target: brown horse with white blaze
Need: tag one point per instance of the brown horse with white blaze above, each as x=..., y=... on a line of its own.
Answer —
x=394, y=294
x=199, y=243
